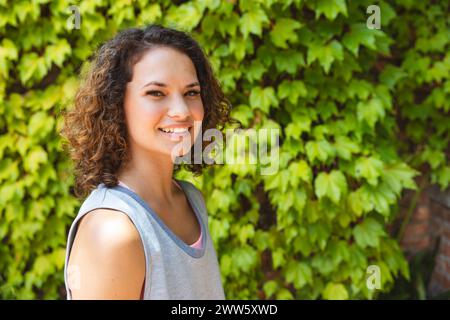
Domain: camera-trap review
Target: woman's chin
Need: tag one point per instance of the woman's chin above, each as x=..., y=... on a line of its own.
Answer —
x=176, y=152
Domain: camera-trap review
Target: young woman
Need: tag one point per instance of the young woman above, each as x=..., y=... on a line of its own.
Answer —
x=140, y=233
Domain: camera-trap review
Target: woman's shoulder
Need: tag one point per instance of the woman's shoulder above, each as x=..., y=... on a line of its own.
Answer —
x=109, y=226
x=103, y=199
x=109, y=246
x=102, y=212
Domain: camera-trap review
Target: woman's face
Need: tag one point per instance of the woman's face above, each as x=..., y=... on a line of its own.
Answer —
x=164, y=94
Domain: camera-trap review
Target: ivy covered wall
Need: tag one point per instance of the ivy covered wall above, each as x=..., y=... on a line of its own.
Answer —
x=363, y=115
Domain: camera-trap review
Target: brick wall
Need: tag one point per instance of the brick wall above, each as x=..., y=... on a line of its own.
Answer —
x=440, y=227
x=429, y=228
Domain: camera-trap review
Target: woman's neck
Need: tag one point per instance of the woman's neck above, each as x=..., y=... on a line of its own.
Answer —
x=151, y=177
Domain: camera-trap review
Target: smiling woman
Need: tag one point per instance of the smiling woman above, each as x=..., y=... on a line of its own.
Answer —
x=140, y=233
x=167, y=103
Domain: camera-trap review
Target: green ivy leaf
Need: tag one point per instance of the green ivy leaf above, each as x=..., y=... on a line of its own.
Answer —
x=319, y=233
x=284, y=294
x=299, y=170
x=283, y=31
x=326, y=109
x=40, y=125
x=331, y=8
x=263, y=98
x=57, y=53
x=239, y=47
x=357, y=203
x=370, y=111
x=185, y=16
x=8, y=169
x=442, y=177
x=289, y=61
x=378, y=198
x=359, y=88
x=278, y=258
x=255, y=71
x=332, y=185
x=335, y=291
x=31, y=65
x=150, y=14
x=391, y=75
x=228, y=24
x=298, y=273
x=399, y=175
x=345, y=147
x=36, y=156
x=360, y=35
x=8, y=51
x=292, y=90
x=321, y=150
x=244, y=258
x=253, y=22
x=325, y=54
x=369, y=168
x=270, y=287
x=243, y=113
x=246, y=232
x=368, y=233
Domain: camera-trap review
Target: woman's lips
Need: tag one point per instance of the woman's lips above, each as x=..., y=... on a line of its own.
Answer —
x=176, y=136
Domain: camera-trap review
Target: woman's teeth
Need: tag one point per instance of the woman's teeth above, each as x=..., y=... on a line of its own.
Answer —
x=175, y=130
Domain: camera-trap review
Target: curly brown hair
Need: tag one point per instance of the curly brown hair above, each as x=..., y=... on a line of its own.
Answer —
x=95, y=127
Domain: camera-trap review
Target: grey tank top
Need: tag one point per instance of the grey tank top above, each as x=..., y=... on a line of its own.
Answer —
x=174, y=269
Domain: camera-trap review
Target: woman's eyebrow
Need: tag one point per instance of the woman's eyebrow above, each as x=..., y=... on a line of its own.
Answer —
x=160, y=84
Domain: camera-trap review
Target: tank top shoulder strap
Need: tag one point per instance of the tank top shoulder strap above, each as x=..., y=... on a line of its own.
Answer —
x=196, y=196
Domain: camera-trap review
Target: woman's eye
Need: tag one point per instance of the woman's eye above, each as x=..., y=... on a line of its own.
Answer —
x=155, y=93
x=193, y=93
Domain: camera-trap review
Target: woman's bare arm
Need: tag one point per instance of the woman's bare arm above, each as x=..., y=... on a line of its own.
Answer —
x=107, y=260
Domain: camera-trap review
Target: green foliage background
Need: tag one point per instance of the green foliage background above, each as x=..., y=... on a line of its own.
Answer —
x=363, y=114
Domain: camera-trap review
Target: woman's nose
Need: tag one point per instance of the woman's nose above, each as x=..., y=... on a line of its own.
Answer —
x=178, y=108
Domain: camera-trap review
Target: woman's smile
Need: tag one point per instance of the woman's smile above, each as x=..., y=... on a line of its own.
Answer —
x=176, y=134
